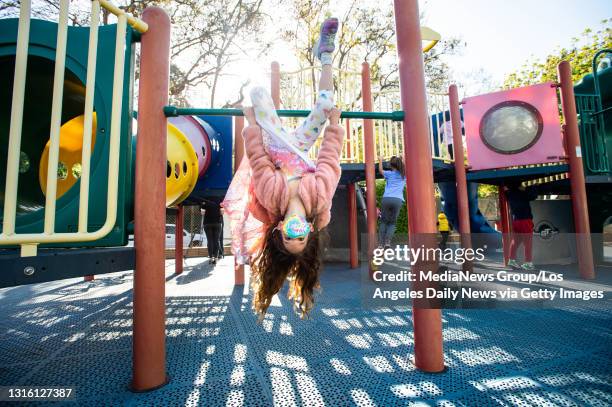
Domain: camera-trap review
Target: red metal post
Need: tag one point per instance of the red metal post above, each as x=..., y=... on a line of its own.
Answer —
x=275, y=84
x=584, y=248
x=149, y=342
x=238, y=141
x=353, y=236
x=428, y=345
x=368, y=145
x=506, y=224
x=178, y=241
x=238, y=154
x=348, y=150
x=463, y=206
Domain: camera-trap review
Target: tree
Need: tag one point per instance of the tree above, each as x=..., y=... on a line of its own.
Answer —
x=580, y=54
x=367, y=34
x=206, y=35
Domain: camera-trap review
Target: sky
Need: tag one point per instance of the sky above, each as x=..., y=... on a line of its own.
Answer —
x=499, y=37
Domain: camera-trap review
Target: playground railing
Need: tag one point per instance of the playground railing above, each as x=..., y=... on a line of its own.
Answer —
x=29, y=241
x=592, y=133
x=298, y=91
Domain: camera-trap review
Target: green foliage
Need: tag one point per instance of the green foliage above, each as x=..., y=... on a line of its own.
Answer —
x=367, y=34
x=579, y=54
x=486, y=191
x=208, y=36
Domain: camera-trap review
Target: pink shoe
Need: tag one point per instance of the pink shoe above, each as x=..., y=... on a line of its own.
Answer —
x=327, y=37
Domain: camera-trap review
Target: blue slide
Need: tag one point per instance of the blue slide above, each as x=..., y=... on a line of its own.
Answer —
x=482, y=232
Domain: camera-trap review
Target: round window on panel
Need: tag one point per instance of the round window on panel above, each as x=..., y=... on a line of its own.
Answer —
x=511, y=127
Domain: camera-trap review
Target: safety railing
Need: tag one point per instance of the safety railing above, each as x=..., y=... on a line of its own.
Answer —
x=592, y=134
x=298, y=91
x=29, y=241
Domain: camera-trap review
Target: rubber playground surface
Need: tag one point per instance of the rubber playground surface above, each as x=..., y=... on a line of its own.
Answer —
x=77, y=333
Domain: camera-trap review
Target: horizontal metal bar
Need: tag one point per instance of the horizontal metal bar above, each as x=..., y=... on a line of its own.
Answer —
x=134, y=22
x=172, y=111
x=601, y=111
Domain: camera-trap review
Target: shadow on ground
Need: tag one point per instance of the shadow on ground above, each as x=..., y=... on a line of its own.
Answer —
x=218, y=355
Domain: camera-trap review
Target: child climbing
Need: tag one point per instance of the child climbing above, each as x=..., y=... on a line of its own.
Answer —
x=278, y=227
x=446, y=134
x=392, y=199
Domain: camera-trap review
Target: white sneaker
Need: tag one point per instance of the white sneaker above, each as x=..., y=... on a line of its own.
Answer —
x=528, y=266
x=513, y=264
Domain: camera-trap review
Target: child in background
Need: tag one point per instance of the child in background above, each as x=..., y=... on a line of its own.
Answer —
x=444, y=229
x=519, y=199
x=446, y=133
x=392, y=199
x=213, y=227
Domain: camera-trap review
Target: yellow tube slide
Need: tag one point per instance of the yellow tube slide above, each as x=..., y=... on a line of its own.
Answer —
x=181, y=165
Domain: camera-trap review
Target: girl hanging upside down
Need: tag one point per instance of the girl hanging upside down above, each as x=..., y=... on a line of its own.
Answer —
x=278, y=226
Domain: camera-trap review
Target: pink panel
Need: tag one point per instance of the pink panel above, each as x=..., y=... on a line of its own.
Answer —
x=196, y=135
x=547, y=148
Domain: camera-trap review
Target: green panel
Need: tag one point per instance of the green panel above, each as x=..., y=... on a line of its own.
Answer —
x=37, y=114
x=592, y=134
x=601, y=121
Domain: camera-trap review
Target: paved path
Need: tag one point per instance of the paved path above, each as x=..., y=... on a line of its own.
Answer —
x=79, y=334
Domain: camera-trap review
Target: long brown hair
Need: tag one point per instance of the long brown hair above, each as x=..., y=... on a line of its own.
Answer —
x=274, y=264
x=398, y=164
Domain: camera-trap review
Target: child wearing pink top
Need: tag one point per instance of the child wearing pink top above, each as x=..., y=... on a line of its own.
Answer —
x=280, y=200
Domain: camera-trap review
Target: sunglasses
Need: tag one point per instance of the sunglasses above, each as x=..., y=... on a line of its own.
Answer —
x=294, y=229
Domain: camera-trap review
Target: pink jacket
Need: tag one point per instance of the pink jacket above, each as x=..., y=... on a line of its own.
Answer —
x=316, y=189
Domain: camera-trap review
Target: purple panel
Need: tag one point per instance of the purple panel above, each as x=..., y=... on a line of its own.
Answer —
x=197, y=136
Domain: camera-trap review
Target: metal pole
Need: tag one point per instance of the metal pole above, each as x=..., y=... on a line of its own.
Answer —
x=368, y=145
x=353, y=236
x=238, y=141
x=275, y=83
x=149, y=343
x=173, y=111
x=238, y=154
x=178, y=241
x=584, y=248
x=463, y=206
x=506, y=225
x=348, y=150
x=428, y=345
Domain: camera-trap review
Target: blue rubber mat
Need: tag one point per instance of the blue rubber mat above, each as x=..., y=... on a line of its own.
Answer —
x=79, y=335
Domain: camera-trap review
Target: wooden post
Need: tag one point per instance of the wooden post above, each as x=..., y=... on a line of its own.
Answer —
x=178, y=241
x=275, y=84
x=149, y=342
x=428, y=345
x=369, y=152
x=506, y=224
x=238, y=155
x=463, y=206
x=352, y=225
x=584, y=248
